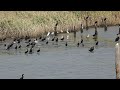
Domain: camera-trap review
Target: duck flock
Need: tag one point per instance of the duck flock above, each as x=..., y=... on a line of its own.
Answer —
x=30, y=43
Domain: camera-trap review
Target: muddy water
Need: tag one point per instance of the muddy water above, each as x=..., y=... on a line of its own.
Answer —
x=55, y=61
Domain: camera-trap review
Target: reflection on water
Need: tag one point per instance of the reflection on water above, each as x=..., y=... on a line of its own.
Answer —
x=58, y=61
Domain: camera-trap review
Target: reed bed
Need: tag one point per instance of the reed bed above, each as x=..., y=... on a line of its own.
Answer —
x=36, y=23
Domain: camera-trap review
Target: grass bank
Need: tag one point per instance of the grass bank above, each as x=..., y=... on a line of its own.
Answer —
x=35, y=23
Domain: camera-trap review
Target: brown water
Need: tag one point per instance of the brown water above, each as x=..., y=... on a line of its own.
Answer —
x=58, y=61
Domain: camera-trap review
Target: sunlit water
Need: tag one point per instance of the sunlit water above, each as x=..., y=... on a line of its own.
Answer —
x=61, y=62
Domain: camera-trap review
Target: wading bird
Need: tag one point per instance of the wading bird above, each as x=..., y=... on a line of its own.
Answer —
x=22, y=76
x=117, y=38
x=62, y=38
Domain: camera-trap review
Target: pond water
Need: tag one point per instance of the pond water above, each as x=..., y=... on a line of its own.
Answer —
x=56, y=61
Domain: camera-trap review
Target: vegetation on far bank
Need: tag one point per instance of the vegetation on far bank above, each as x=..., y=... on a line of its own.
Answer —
x=34, y=23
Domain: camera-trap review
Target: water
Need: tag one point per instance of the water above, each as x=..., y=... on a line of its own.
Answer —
x=60, y=62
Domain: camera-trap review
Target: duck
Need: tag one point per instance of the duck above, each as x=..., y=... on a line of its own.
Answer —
x=38, y=50
x=22, y=76
x=5, y=45
x=66, y=44
x=81, y=40
x=78, y=44
x=96, y=43
x=32, y=43
x=19, y=46
x=28, y=45
x=9, y=46
x=26, y=51
x=56, y=39
x=53, y=39
x=40, y=37
x=28, y=41
x=18, y=41
x=44, y=39
x=35, y=41
x=16, y=47
x=91, y=49
x=94, y=35
x=47, y=42
x=4, y=39
x=30, y=52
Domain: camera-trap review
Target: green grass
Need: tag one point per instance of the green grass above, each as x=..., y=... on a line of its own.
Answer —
x=35, y=23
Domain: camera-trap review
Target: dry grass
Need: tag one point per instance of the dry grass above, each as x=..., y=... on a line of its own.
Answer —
x=35, y=23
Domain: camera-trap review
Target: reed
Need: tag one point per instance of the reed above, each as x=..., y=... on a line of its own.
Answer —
x=35, y=23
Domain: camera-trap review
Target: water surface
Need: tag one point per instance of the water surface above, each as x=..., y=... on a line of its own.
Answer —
x=60, y=62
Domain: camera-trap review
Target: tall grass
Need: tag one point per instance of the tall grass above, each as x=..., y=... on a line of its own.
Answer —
x=35, y=23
